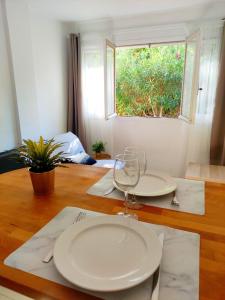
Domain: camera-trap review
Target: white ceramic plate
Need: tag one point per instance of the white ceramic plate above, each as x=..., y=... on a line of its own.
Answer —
x=107, y=253
x=152, y=184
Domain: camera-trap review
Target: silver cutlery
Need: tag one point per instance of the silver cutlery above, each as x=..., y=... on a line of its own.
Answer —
x=49, y=255
x=109, y=191
x=175, y=201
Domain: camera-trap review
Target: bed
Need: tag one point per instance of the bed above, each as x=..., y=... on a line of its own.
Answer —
x=74, y=151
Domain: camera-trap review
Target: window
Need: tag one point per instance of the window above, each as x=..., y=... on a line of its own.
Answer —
x=149, y=80
x=191, y=77
x=110, y=107
x=155, y=80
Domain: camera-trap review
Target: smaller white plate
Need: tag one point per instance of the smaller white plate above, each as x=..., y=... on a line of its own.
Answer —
x=107, y=254
x=152, y=184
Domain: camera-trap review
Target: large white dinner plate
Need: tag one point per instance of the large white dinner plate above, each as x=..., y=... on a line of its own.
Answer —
x=107, y=253
x=152, y=184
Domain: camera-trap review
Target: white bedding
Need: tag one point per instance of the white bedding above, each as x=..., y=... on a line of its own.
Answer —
x=105, y=163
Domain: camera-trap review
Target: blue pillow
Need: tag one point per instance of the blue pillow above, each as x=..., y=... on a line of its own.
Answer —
x=88, y=160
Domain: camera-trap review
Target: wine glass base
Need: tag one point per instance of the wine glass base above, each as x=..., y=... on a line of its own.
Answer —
x=127, y=215
x=134, y=205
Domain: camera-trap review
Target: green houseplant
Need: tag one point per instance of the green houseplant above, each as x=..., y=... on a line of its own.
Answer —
x=41, y=160
x=98, y=147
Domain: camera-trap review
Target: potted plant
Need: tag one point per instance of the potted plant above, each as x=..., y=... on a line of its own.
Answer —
x=41, y=159
x=98, y=147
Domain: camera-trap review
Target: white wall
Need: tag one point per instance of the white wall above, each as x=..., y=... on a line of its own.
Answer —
x=23, y=68
x=49, y=43
x=38, y=55
x=9, y=131
x=163, y=139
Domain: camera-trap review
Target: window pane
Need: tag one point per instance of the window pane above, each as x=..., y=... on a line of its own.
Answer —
x=190, y=79
x=149, y=80
x=110, y=81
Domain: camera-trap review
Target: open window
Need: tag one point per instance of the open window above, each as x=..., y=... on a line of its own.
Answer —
x=149, y=79
x=110, y=104
x=191, y=77
x=153, y=80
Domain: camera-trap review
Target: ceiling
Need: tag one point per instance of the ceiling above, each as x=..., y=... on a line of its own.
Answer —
x=81, y=10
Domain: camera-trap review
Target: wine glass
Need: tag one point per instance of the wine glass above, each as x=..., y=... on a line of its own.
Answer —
x=140, y=154
x=126, y=175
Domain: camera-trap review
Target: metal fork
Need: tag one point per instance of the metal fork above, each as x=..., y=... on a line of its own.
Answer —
x=109, y=191
x=175, y=201
x=49, y=255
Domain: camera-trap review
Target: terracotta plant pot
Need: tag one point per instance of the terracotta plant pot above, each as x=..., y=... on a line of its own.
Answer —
x=101, y=155
x=97, y=155
x=43, y=183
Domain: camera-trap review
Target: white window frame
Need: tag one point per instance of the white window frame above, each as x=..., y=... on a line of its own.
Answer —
x=109, y=115
x=195, y=79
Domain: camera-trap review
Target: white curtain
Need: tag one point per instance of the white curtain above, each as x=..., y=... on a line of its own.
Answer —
x=93, y=90
x=199, y=135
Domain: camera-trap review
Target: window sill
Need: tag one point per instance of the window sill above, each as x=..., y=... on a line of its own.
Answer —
x=155, y=120
x=151, y=118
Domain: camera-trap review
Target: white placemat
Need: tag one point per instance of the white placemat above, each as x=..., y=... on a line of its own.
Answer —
x=190, y=193
x=179, y=279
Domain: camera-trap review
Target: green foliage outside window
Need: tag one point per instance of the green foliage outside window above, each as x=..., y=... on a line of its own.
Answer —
x=149, y=80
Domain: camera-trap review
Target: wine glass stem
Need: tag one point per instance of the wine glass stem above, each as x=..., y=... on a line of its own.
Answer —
x=126, y=202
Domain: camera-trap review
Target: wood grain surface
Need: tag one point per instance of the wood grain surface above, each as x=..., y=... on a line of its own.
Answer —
x=22, y=214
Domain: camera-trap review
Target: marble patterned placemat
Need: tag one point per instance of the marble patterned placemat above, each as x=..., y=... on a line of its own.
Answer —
x=179, y=274
x=190, y=193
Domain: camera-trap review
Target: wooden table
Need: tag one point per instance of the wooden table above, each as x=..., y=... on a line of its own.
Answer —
x=209, y=173
x=22, y=214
